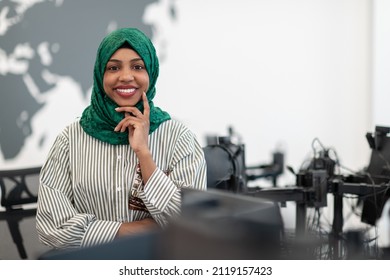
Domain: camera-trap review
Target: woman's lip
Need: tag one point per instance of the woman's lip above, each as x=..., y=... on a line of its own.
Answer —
x=126, y=91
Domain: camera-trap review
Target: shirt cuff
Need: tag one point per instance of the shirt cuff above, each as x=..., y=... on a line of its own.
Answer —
x=158, y=191
x=100, y=232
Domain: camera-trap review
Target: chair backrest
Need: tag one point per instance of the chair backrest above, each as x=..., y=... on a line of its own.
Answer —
x=225, y=167
x=19, y=187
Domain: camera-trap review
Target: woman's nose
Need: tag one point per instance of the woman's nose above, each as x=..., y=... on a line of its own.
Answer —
x=126, y=75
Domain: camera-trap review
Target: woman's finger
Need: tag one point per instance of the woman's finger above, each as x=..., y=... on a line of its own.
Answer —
x=132, y=110
x=125, y=123
x=146, y=105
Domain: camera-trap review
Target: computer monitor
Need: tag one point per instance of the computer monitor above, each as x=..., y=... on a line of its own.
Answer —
x=216, y=224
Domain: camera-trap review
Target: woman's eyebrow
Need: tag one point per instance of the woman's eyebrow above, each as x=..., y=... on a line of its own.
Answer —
x=131, y=60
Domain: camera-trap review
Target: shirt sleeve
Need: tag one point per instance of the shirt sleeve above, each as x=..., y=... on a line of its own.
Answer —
x=162, y=192
x=58, y=223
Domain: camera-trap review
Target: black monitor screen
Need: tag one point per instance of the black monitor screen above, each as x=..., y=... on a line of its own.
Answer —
x=216, y=224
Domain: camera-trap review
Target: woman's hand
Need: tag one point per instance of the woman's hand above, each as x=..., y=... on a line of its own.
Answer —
x=137, y=125
x=137, y=227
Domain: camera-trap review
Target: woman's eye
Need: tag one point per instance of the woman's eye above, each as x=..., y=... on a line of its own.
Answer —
x=139, y=67
x=112, y=68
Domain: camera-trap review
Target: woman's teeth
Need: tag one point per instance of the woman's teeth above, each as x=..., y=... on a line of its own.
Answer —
x=128, y=90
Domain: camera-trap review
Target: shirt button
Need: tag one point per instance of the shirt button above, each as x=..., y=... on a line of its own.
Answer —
x=118, y=189
x=153, y=200
x=119, y=157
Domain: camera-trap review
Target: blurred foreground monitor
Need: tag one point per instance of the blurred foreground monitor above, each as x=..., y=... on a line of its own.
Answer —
x=217, y=224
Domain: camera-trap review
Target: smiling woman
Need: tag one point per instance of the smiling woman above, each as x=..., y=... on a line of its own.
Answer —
x=120, y=169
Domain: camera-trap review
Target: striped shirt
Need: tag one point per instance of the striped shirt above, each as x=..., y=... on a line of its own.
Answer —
x=85, y=184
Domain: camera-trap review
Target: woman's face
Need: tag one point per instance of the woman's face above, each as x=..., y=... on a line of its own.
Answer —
x=125, y=77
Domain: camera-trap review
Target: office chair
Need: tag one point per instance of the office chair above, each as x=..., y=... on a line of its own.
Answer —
x=18, y=189
x=225, y=167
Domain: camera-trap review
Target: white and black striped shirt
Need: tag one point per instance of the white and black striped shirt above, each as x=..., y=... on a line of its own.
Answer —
x=85, y=184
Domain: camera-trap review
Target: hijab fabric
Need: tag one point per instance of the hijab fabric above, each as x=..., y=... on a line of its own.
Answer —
x=100, y=118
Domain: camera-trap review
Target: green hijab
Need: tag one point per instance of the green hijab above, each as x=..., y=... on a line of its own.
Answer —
x=100, y=118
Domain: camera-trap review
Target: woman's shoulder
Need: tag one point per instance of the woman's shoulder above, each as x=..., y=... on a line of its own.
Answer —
x=73, y=127
x=175, y=131
x=173, y=126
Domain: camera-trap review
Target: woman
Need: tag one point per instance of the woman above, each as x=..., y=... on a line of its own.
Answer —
x=119, y=169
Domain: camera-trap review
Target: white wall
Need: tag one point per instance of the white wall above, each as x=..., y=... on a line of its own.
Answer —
x=381, y=63
x=281, y=72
